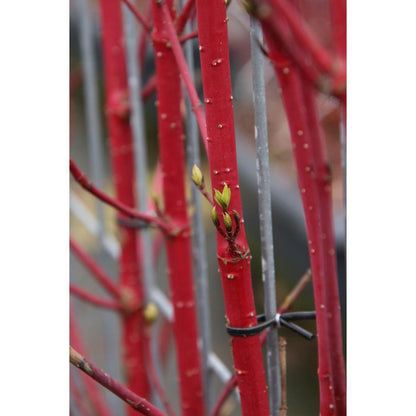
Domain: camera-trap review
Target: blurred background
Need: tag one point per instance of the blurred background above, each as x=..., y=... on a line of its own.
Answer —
x=100, y=329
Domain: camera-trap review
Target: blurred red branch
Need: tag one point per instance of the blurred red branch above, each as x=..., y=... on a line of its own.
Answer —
x=99, y=273
x=93, y=299
x=132, y=399
x=138, y=15
x=178, y=248
x=94, y=395
x=80, y=177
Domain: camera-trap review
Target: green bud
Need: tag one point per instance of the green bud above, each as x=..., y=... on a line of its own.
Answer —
x=236, y=216
x=228, y=224
x=150, y=312
x=223, y=198
x=214, y=217
x=197, y=176
x=226, y=195
x=218, y=198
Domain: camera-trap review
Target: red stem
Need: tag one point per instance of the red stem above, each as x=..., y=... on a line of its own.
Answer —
x=234, y=269
x=122, y=159
x=149, y=88
x=287, y=303
x=94, y=394
x=93, y=299
x=142, y=47
x=100, y=274
x=77, y=397
x=303, y=34
x=339, y=26
x=186, y=76
x=326, y=73
x=178, y=247
x=292, y=93
x=138, y=15
x=135, y=402
x=332, y=305
x=184, y=16
x=154, y=377
x=80, y=177
x=190, y=35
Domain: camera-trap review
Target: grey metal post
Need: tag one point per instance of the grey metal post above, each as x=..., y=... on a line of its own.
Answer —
x=265, y=211
x=92, y=111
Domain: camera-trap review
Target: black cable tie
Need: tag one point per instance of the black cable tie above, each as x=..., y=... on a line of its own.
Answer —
x=132, y=223
x=279, y=320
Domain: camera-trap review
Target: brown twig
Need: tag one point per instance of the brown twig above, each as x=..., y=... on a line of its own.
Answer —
x=283, y=374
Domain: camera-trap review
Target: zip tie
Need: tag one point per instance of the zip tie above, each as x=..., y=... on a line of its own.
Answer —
x=278, y=320
x=133, y=223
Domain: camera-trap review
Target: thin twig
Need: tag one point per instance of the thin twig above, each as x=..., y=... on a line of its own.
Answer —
x=138, y=15
x=184, y=16
x=283, y=375
x=295, y=292
x=80, y=177
x=183, y=68
x=76, y=395
x=94, y=394
x=96, y=270
x=136, y=402
x=190, y=35
x=94, y=299
x=154, y=378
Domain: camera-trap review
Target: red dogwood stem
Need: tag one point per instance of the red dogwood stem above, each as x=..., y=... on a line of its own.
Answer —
x=121, y=152
x=149, y=88
x=93, y=299
x=92, y=390
x=339, y=26
x=154, y=377
x=186, y=76
x=291, y=85
x=190, y=35
x=77, y=397
x=135, y=402
x=184, y=16
x=286, y=30
x=287, y=303
x=79, y=176
x=138, y=15
x=96, y=270
x=322, y=179
x=178, y=247
x=234, y=268
x=302, y=33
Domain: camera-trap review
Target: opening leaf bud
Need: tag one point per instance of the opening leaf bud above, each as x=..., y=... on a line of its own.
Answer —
x=223, y=198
